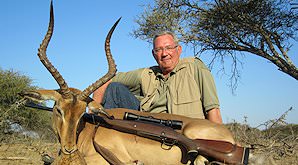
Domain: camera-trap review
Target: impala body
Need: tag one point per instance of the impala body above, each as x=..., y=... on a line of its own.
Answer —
x=77, y=138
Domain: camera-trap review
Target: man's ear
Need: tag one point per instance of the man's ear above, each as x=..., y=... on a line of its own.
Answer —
x=179, y=49
x=153, y=54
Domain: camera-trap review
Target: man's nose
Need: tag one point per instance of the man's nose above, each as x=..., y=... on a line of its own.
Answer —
x=164, y=52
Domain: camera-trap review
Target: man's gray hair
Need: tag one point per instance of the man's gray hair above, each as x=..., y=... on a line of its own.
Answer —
x=176, y=40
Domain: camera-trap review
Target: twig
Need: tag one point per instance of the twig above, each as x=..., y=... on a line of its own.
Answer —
x=13, y=158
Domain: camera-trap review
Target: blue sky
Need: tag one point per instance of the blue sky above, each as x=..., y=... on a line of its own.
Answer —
x=77, y=51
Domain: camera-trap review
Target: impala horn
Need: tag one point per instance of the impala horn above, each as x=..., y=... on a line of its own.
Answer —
x=112, y=67
x=64, y=90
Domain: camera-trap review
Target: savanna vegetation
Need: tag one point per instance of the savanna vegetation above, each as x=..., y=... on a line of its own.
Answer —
x=14, y=114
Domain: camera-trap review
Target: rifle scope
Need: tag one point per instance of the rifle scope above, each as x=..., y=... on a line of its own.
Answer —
x=175, y=124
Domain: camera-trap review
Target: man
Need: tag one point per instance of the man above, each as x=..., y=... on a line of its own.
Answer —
x=177, y=86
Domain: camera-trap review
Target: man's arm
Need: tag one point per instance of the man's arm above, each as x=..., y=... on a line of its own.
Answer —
x=207, y=88
x=214, y=115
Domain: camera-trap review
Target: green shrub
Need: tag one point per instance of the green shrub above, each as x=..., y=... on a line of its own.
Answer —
x=11, y=83
x=12, y=107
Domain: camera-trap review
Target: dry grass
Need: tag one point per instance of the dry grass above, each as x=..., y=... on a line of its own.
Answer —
x=26, y=152
x=276, y=143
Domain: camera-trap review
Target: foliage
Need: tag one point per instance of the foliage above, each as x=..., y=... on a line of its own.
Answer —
x=11, y=83
x=225, y=27
x=12, y=108
x=276, y=142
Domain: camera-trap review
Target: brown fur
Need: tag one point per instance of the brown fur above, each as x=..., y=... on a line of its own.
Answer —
x=127, y=148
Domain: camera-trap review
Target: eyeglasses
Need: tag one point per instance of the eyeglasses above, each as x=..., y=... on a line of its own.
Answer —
x=166, y=49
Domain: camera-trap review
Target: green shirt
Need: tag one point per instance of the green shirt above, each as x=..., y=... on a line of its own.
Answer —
x=188, y=90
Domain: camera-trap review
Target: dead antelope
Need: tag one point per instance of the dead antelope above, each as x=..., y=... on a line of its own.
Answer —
x=84, y=143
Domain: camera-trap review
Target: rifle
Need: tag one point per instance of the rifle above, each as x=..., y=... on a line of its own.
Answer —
x=218, y=150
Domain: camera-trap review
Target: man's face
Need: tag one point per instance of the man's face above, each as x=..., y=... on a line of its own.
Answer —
x=166, y=53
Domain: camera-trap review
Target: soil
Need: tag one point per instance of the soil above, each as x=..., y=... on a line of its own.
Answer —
x=26, y=153
x=22, y=153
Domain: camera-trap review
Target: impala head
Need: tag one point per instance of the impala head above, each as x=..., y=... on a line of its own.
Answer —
x=70, y=103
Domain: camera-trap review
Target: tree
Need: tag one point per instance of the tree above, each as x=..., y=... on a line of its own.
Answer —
x=12, y=108
x=294, y=6
x=226, y=27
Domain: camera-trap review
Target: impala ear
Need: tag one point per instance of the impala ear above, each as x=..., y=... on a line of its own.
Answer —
x=41, y=95
x=94, y=107
x=97, y=109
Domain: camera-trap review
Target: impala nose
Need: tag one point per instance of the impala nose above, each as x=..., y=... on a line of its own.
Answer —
x=70, y=150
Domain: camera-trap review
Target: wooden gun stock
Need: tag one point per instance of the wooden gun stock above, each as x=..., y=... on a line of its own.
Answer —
x=222, y=151
x=217, y=150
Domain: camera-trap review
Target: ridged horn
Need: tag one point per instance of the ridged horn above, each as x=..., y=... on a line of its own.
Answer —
x=112, y=67
x=65, y=92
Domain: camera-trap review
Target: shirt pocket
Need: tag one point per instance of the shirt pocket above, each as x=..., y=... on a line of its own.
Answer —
x=187, y=91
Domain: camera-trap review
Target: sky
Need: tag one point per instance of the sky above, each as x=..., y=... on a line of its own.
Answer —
x=77, y=51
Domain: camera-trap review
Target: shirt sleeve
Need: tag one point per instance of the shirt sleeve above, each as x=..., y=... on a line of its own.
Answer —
x=207, y=87
x=131, y=79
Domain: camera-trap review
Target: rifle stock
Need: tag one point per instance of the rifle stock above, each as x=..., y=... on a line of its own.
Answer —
x=217, y=150
x=222, y=151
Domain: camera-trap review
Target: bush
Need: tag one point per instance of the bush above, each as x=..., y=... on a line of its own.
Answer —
x=12, y=109
x=276, y=143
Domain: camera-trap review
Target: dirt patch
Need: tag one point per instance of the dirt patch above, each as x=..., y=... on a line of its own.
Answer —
x=26, y=153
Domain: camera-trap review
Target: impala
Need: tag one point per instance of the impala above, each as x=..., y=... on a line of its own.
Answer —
x=84, y=143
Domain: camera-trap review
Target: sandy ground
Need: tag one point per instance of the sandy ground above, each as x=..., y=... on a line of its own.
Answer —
x=32, y=152
x=26, y=153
